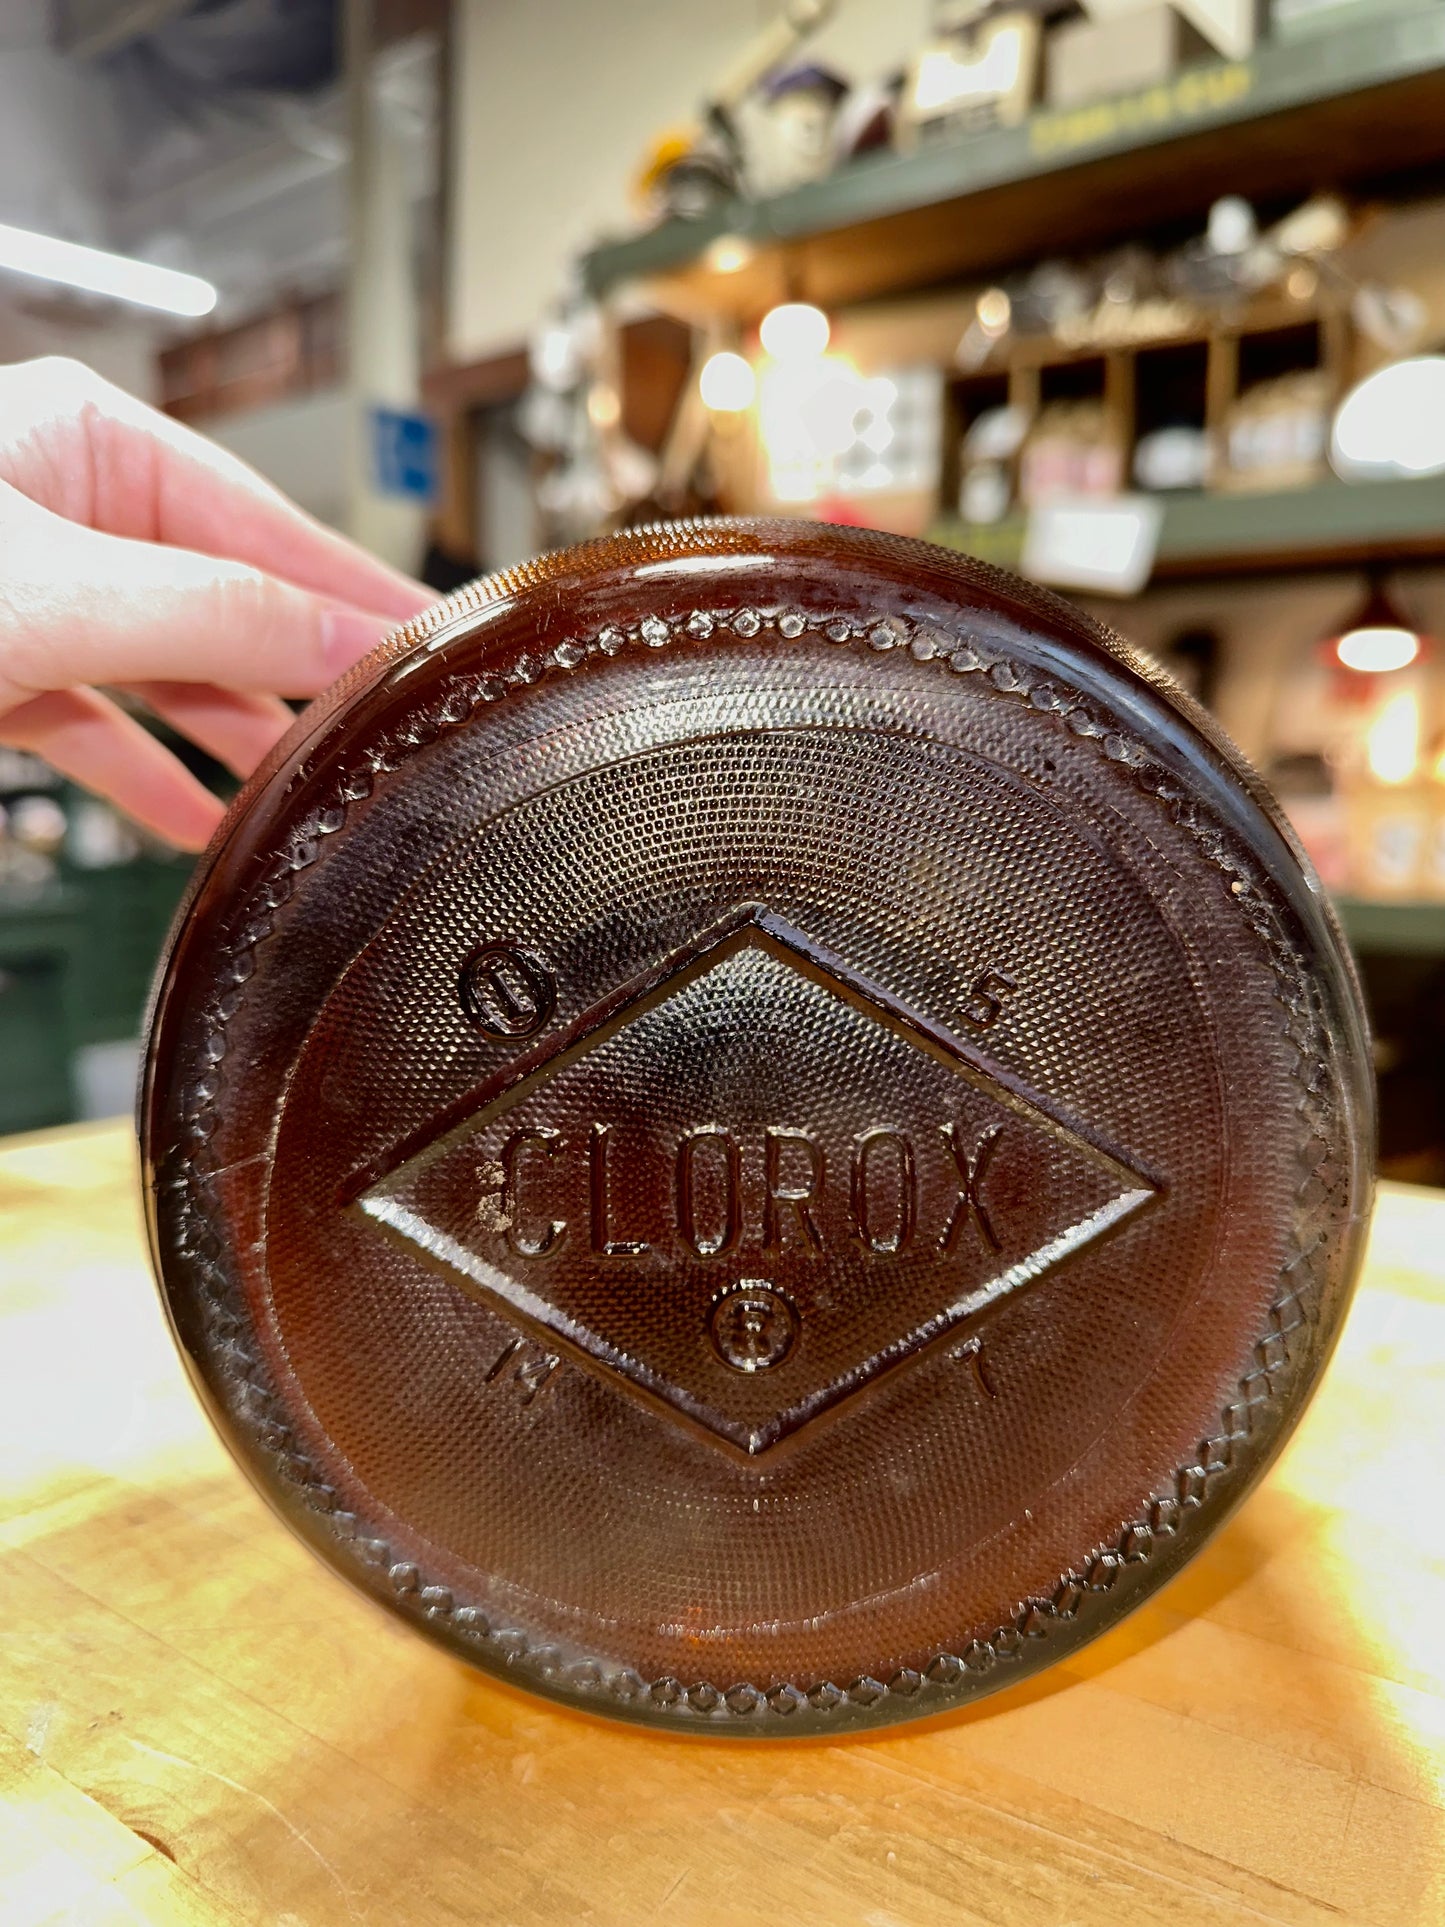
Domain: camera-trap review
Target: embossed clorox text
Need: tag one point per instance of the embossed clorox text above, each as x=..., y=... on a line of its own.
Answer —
x=691, y=1200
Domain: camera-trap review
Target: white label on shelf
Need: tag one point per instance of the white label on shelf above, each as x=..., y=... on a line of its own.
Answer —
x=1107, y=546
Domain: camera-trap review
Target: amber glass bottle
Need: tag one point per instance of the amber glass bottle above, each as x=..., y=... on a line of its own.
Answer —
x=757, y=1127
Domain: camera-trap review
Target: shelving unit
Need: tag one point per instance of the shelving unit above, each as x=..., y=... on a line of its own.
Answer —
x=1360, y=104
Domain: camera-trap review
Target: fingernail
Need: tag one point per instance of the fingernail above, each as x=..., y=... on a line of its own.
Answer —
x=349, y=634
x=191, y=822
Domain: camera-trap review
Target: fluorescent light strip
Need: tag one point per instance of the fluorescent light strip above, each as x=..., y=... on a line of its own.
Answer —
x=96, y=271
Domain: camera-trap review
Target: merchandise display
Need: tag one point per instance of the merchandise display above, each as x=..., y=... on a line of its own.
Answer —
x=1091, y=59
x=1277, y=434
x=1073, y=448
x=989, y=455
x=774, y=123
x=794, y=137
x=982, y=71
x=1226, y=26
x=689, y=169
x=696, y=1133
x=1217, y=364
x=1172, y=458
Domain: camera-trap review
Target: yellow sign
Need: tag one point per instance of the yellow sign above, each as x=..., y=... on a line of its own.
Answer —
x=1193, y=96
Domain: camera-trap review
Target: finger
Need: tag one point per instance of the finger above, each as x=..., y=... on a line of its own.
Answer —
x=87, y=450
x=121, y=612
x=235, y=726
x=83, y=735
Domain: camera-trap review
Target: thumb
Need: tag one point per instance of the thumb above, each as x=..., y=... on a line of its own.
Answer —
x=81, y=607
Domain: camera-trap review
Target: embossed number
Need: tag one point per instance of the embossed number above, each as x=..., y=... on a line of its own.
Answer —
x=972, y=1350
x=986, y=999
x=532, y=1373
x=506, y=992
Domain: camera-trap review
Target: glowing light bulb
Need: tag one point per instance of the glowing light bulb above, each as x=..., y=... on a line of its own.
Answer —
x=604, y=405
x=727, y=383
x=995, y=312
x=728, y=254
x=827, y=405
x=796, y=331
x=1377, y=650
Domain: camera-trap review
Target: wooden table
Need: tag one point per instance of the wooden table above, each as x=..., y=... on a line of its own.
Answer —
x=200, y=1724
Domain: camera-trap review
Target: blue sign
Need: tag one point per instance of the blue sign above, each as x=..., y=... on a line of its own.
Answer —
x=403, y=455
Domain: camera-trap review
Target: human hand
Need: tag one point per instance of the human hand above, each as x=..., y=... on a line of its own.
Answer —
x=136, y=555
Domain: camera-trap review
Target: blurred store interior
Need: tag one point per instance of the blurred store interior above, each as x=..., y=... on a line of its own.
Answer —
x=1144, y=299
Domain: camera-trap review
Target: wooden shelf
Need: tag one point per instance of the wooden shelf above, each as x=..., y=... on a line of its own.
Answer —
x=219, y=1731
x=1348, y=107
x=1336, y=524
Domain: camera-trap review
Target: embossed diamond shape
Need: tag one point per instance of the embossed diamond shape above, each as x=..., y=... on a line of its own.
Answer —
x=750, y=1185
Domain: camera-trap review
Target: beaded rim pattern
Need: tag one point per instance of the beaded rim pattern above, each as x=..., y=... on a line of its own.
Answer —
x=1079, y=1603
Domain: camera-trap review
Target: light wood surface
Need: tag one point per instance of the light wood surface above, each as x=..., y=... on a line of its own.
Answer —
x=199, y=1724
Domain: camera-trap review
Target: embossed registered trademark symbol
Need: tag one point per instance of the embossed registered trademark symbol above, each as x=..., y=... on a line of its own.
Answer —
x=506, y=991
x=753, y=1326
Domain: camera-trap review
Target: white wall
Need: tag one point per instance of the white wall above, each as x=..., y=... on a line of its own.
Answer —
x=116, y=343
x=299, y=445
x=557, y=104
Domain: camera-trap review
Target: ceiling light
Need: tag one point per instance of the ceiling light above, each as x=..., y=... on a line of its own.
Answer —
x=995, y=312
x=1379, y=636
x=727, y=383
x=118, y=275
x=827, y=406
x=1378, y=650
x=728, y=254
x=604, y=405
x=1393, y=422
x=794, y=331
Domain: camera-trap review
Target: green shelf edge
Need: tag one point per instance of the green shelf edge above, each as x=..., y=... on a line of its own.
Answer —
x=1393, y=929
x=1214, y=533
